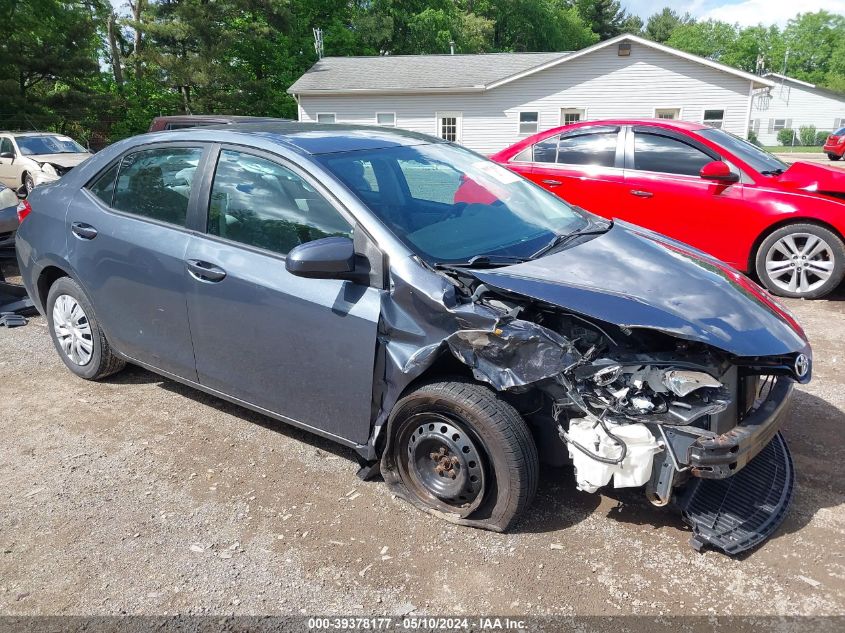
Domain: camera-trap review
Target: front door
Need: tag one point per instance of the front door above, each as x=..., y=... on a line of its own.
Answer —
x=9, y=173
x=584, y=167
x=127, y=241
x=300, y=348
x=666, y=194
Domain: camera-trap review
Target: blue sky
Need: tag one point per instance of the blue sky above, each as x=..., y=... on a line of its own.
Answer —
x=745, y=12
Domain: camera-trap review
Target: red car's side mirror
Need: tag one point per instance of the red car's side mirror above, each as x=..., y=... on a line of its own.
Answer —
x=719, y=171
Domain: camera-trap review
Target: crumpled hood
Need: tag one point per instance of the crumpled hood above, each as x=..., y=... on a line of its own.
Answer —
x=62, y=160
x=638, y=279
x=811, y=177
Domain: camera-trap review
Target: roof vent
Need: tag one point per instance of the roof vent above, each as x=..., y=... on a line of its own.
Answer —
x=624, y=49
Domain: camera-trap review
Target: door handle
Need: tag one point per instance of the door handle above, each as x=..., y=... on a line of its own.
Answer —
x=552, y=183
x=203, y=271
x=641, y=194
x=83, y=231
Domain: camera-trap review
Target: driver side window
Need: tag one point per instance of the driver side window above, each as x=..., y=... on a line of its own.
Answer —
x=156, y=183
x=6, y=146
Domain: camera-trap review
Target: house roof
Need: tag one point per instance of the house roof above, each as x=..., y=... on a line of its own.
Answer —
x=400, y=74
x=415, y=73
x=825, y=91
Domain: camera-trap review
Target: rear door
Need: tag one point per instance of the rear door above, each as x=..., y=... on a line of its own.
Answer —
x=299, y=348
x=666, y=194
x=127, y=241
x=584, y=167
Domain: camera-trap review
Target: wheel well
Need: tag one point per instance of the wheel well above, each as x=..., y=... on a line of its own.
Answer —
x=23, y=177
x=46, y=279
x=752, y=255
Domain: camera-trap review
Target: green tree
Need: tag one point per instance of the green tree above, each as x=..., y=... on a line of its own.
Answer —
x=606, y=18
x=659, y=26
x=633, y=24
x=711, y=39
x=812, y=39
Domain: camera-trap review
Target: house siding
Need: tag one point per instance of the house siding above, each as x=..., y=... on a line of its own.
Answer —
x=604, y=84
x=799, y=105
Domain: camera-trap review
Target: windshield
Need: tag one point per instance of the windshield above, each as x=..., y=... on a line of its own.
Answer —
x=48, y=144
x=449, y=205
x=754, y=156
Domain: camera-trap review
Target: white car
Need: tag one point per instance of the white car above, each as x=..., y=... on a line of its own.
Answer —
x=34, y=158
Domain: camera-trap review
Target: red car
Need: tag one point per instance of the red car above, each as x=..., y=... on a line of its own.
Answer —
x=702, y=186
x=834, y=146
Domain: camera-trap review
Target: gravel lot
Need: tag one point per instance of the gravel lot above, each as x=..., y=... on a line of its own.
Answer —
x=140, y=496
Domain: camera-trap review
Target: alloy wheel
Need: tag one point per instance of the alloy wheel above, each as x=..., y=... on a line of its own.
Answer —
x=799, y=262
x=73, y=330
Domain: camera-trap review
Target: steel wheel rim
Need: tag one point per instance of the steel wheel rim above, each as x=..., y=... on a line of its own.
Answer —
x=443, y=462
x=800, y=263
x=72, y=330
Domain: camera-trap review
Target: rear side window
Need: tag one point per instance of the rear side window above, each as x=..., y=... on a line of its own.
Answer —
x=588, y=149
x=260, y=203
x=156, y=183
x=653, y=152
x=103, y=187
x=546, y=151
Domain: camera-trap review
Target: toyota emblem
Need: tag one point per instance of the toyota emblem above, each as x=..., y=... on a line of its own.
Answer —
x=802, y=365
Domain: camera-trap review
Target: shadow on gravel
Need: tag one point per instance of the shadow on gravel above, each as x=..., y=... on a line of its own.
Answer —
x=813, y=431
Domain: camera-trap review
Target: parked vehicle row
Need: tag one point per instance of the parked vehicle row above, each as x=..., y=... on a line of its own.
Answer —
x=834, y=146
x=35, y=158
x=451, y=322
x=704, y=187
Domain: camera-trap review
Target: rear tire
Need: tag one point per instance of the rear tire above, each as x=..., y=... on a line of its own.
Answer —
x=77, y=334
x=833, y=156
x=462, y=452
x=803, y=261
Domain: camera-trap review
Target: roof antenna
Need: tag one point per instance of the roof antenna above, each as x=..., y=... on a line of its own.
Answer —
x=318, y=42
x=451, y=47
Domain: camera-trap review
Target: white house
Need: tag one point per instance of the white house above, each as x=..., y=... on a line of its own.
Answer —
x=793, y=103
x=490, y=101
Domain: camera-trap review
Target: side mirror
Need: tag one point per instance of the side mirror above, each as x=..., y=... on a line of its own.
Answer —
x=718, y=171
x=7, y=155
x=328, y=258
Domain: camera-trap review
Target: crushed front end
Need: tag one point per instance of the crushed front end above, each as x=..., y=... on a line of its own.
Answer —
x=694, y=425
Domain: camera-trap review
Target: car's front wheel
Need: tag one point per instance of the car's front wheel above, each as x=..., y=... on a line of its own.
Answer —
x=801, y=260
x=76, y=333
x=28, y=183
x=833, y=156
x=464, y=453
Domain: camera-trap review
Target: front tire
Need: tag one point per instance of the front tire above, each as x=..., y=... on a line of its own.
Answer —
x=77, y=334
x=832, y=156
x=28, y=183
x=463, y=453
x=804, y=261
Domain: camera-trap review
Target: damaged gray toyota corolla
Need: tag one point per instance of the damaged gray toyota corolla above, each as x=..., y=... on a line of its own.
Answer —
x=452, y=322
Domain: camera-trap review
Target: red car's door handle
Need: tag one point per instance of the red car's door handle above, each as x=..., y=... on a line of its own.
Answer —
x=551, y=182
x=641, y=194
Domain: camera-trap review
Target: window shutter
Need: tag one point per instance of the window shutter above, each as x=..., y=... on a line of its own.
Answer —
x=789, y=124
x=771, y=125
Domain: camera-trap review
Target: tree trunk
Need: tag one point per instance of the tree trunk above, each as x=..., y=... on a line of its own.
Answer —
x=186, y=98
x=115, y=54
x=137, y=12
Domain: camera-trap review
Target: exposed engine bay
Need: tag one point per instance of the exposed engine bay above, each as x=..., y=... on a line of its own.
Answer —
x=635, y=408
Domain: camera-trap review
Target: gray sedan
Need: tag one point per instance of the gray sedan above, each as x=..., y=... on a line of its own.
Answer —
x=450, y=321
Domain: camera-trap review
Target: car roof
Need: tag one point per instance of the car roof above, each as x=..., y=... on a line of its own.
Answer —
x=667, y=123
x=34, y=133
x=310, y=138
x=222, y=118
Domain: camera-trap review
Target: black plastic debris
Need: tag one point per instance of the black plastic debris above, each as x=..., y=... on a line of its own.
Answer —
x=740, y=512
x=10, y=319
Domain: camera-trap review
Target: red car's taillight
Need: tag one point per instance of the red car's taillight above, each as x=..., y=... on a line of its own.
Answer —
x=24, y=209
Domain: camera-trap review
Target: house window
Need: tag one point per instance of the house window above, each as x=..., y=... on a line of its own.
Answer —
x=572, y=115
x=714, y=118
x=449, y=126
x=386, y=118
x=667, y=113
x=529, y=123
x=838, y=123
x=325, y=117
x=778, y=124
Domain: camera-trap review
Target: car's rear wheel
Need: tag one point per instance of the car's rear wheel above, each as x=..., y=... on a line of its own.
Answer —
x=833, y=156
x=77, y=334
x=801, y=260
x=28, y=183
x=461, y=450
